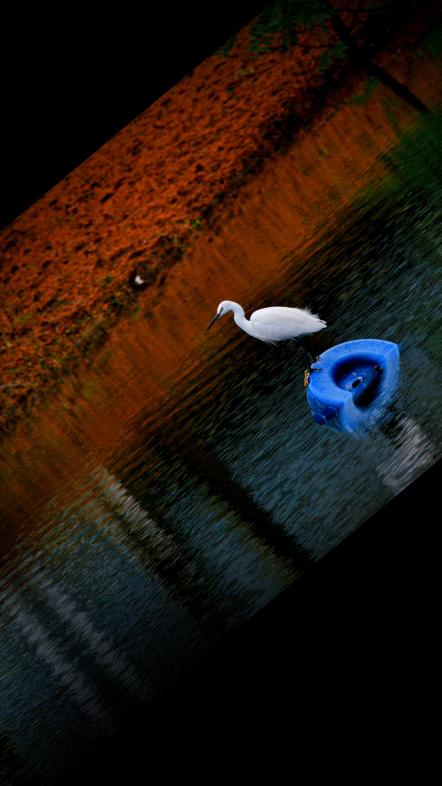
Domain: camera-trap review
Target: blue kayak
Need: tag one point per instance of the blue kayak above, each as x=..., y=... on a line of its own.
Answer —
x=352, y=383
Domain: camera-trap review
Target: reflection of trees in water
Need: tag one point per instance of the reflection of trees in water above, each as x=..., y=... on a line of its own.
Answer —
x=96, y=664
x=185, y=451
x=154, y=546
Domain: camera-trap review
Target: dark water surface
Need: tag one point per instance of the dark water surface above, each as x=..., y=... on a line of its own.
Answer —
x=140, y=567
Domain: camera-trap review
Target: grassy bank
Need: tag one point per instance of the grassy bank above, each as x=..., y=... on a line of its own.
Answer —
x=72, y=259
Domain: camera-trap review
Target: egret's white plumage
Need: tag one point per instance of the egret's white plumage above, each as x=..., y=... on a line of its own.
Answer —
x=276, y=323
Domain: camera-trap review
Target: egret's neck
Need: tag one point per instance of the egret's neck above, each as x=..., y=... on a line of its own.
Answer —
x=242, y=322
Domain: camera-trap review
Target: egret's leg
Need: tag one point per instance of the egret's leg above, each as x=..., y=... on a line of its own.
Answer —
x=301, y=344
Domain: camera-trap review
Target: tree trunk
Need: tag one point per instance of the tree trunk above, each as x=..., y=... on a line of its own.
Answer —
x=363, y=63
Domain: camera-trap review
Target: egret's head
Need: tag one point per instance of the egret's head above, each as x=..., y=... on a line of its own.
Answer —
x=223, y=308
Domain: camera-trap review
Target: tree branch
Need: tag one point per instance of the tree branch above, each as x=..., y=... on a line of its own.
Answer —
x=363, y=63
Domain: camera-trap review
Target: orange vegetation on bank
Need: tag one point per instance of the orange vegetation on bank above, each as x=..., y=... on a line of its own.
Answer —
x=135, y=206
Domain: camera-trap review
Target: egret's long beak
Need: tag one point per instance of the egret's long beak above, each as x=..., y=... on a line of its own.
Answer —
x=214, y=320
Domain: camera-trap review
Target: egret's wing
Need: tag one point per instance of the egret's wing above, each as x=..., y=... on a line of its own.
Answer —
x=280, y=323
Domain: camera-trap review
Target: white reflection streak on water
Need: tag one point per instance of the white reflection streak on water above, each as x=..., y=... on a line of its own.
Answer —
x=84, y=629
x=409, y=460
x=65, y=671
x=105, y=500
x=125, y=505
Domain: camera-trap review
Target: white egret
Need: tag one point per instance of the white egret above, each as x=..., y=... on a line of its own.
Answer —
x=277, y=323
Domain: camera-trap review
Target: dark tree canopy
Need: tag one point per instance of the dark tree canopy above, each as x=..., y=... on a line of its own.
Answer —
x=281, y=23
